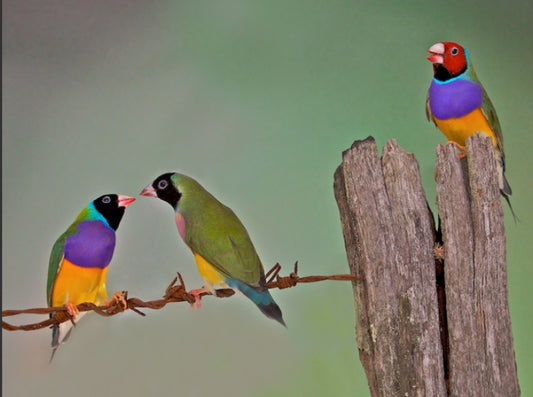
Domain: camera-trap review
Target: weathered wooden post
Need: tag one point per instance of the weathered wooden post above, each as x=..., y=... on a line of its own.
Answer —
x=390, y=238
x=481, y=354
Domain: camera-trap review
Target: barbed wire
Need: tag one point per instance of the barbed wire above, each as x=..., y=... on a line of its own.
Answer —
x=173, y=293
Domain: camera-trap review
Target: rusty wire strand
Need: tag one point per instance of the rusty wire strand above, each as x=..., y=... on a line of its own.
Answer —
x=173, y=293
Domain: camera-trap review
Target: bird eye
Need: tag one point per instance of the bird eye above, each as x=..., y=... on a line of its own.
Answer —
x=454, y=51
x=106, y=199
x=162, y=184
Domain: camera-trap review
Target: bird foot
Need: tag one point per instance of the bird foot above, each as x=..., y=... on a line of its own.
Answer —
x=119, y=298
x=72, y=309
x=460, y=148
x=197, y=297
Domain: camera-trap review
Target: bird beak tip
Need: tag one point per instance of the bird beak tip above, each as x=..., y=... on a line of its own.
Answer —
x=124, y=201
x=148, y=191
x=436, y=52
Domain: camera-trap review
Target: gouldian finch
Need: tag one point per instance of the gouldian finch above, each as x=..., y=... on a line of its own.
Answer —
x=459, y=105
x=220, y=244
x=79, y=259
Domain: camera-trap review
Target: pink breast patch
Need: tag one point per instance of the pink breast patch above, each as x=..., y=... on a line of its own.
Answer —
x=180, y=223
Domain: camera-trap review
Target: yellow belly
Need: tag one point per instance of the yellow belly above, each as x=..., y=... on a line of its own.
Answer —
x=76, y=284
x=458, y=129
x=210, y=275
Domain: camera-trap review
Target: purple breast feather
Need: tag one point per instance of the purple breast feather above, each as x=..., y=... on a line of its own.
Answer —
x=454, y=99
x=91, y=246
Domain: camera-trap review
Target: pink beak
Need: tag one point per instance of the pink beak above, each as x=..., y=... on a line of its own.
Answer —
x=149, y=191
x=124, y=201
x=437, y=52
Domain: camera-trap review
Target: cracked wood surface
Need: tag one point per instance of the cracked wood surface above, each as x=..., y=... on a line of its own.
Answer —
x=389, y=238
x=389, y=241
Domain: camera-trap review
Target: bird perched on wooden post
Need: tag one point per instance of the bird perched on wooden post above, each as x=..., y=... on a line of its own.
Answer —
x=459, y=105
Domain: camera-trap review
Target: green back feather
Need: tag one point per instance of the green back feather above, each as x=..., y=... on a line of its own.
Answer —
x=213, y=231
x=486, y=106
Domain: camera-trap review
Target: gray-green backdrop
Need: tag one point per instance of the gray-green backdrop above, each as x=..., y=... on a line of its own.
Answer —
x=256, y=100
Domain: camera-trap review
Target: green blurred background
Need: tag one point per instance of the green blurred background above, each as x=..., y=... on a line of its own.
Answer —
x=257, y=100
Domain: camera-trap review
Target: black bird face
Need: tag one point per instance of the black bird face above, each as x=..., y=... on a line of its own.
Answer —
x=163, y=188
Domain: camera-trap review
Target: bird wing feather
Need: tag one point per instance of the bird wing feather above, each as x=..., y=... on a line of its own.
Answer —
x=56, y=259
x=222, y=240
x=490, y=114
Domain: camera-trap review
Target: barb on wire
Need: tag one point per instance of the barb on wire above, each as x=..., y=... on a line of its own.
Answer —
x=173, y=293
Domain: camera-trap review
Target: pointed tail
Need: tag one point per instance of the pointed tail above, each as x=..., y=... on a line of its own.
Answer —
x=505, y=188
x=506, y=197
x=61, y=333
x=262, y=299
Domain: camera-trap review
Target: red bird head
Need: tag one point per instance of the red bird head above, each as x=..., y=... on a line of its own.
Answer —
x=449, y=59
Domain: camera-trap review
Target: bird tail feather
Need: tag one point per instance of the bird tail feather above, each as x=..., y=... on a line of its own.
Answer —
x=262, y=299
x=505, y=188
x=61, y=333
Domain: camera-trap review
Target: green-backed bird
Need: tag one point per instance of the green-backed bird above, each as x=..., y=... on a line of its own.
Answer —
x=221, y=246
x=80, y=257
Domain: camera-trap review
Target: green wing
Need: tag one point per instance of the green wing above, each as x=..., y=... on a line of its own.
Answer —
x=215, y=233
x=490, y=113
x=56, y=257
